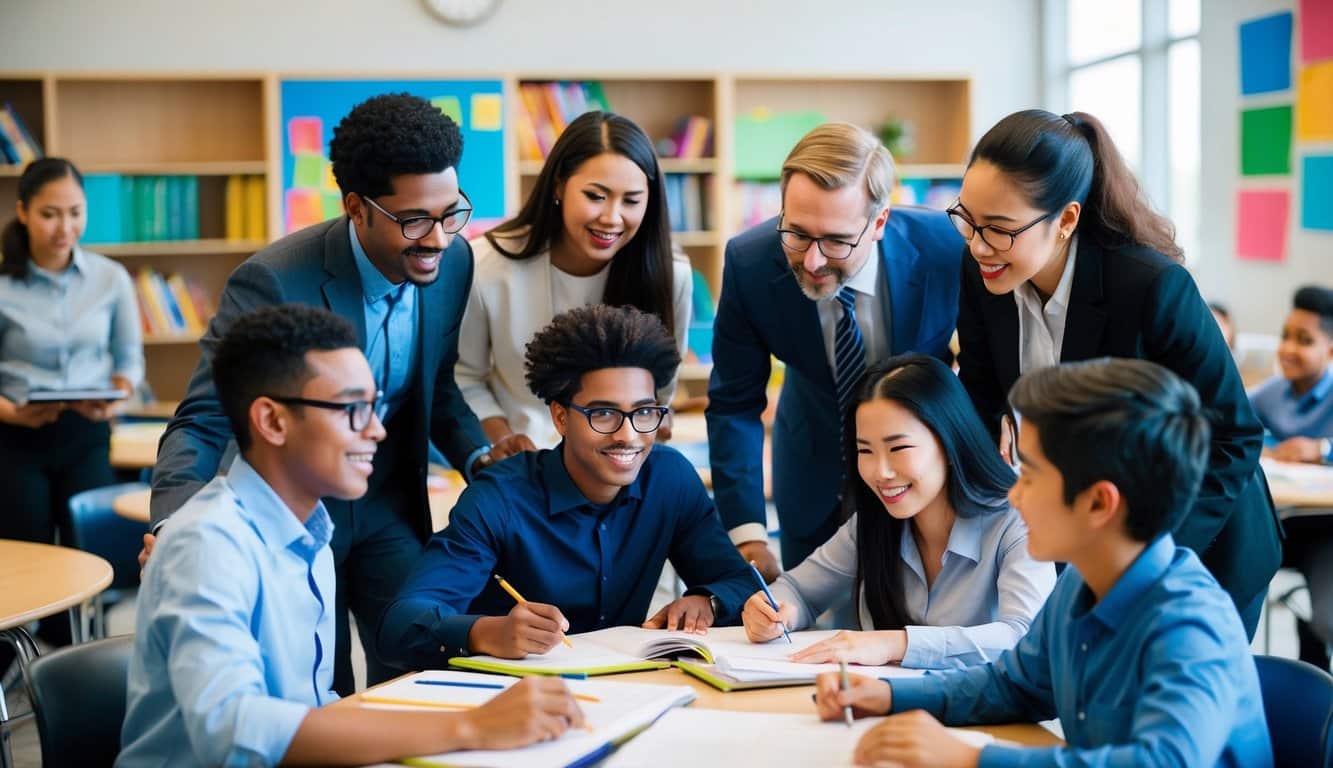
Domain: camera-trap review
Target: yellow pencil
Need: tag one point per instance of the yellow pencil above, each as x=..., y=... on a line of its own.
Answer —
x=506, y=586
x=373, y=699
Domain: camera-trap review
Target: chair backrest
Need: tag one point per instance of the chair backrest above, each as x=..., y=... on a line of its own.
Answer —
x=78, y=700
x=96, y=528
x=1298, y=704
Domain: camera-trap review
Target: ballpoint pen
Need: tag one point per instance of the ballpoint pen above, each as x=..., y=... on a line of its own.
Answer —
x=844, y=685
x=764, y=586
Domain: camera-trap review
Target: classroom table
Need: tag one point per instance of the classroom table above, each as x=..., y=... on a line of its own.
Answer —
x=134, y=444
x=1300, y=489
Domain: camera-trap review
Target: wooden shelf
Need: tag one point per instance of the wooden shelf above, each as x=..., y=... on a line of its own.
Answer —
x=162, y=339
x=930, y=170
x=11, y=170
x=176, y=248
x=208, y=168
x=695, y=371
x=669, y=165
x=687, y=239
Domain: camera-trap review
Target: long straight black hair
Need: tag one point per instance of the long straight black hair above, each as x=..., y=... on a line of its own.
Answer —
x=977, y=480
x=641, y=273
x=15, y=245
x=1059, y=159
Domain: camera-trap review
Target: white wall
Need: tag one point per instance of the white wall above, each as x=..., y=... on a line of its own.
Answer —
x=1259, y=293
x=997, y=42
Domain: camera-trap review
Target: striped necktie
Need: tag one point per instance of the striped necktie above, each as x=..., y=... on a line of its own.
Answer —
x=849, y=350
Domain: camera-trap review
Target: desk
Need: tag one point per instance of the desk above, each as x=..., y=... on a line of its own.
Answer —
x=1299, y=489
x=134, y=446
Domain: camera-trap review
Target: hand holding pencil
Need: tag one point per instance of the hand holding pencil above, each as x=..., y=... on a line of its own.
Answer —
x=530, y=628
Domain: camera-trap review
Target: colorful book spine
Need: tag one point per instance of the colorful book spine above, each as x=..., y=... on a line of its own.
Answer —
x=256, y=227
x=235, y=208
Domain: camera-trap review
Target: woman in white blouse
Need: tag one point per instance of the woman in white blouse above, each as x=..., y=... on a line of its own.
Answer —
x=594, y=230
x=933, y=554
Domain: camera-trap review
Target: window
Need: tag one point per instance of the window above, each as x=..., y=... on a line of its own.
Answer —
x=1134, y=64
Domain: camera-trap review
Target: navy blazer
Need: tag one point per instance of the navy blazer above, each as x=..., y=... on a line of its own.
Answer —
x=762, y=312
x=1134, y=302
x=315, y=266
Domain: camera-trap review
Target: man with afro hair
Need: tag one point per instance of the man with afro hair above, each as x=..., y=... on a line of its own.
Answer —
x=582, y=530
x=394, y=267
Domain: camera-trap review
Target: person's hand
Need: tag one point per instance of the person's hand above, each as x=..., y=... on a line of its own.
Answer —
x=867, y=696
x=757, y=552
x=531, y=710
x=1302, y=449
x=761, y=621
x=693, y=614
x=869, y=648
x=510, y=444
x=148, y=541
x=92, y=410
x=528, y=628
x=34, y=415
x=911, y=739
x=1007, y=439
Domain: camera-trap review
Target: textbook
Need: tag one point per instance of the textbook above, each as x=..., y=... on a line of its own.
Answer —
x=614, y=713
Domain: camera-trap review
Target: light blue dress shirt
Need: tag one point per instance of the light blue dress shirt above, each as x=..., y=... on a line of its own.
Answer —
x=399, y=304
x=1158, y=672
x=69, y=329
x=234, y=631
x=983, y=599
x=1284, y=415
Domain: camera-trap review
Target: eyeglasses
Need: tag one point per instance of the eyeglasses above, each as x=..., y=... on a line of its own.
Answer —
x=998, y=239
x=831, y=247
x=358, y=411
x=646, y=418
x=417, y=227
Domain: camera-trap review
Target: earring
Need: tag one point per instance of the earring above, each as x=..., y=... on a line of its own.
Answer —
x=557, y=201
x=1063, y=235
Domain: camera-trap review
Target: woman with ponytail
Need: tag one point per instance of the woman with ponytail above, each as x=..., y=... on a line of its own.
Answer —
x=1066, y=260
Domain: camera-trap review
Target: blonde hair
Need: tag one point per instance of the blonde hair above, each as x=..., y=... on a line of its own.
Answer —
x=838, y=155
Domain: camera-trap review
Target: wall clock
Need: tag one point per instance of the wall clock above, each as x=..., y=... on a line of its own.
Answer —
x=461, y=13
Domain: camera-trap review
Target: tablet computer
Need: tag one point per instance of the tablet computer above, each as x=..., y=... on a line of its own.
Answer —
x=70, y=395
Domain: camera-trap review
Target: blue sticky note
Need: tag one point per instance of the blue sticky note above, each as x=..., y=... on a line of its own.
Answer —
x=1317, y=192
x=1265, y=54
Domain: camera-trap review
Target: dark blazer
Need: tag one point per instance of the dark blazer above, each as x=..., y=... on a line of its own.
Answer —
x=315, y=267
x=762, y=313
x=1134, y=302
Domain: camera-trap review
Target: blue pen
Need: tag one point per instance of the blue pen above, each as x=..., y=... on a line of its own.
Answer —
x=764, y=586
x=459, y=684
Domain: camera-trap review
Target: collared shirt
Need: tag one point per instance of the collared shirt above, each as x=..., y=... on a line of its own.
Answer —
x=869, y=314
x=1041, y=328
x=70, y=329
x=234, y=631
x=1285, y=415
x=983, y=599
x=1158, y=671
x=525, y=520
x=378, y=293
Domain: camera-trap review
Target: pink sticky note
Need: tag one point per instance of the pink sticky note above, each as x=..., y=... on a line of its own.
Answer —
x=1316, y=29
x=1261, y=224
x=305, y=135
x=303, y=207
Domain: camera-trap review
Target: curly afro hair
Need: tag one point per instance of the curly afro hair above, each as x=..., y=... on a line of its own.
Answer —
x=390, y=135
x=594, y=337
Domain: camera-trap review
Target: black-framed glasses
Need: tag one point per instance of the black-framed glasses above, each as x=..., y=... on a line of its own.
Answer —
x=645, y=418
x=358, y=411
x=999, y=240
x=417, y=227
x=831, y=247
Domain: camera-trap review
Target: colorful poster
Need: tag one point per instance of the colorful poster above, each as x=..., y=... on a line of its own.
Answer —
x=1265, y=54
x=1317, y=192
x=1316, y=30
x=1261, y=224
x=1265, y=141
x=1314, y=103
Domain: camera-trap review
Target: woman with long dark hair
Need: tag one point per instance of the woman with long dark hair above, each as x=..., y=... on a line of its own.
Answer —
x=1066, y=260
x=931, y=552
x=594, y=230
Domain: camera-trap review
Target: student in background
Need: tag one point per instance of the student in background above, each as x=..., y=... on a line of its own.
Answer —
x=834, y=283
x=231, y=660
x=1139, y=652
x=68, y=319
x=594, y=230
x=1296, y=408
x=932, y=551
x=582, y=530
x=1066, y=261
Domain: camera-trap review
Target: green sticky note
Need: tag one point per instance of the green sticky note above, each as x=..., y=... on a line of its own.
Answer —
x=332, y=203
x=763, y=140
x=450, y=106
x=1265, y=141
x=309, y=171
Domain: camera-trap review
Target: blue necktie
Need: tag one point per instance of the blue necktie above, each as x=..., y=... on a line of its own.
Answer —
x=391, y=299
x=849, y=350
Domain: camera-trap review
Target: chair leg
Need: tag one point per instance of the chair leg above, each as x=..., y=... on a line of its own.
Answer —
x=99, y=617
x=25, y=650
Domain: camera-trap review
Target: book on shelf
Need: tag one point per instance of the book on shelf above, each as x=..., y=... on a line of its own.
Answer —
x=687, y=201
x=124, y=208
x=692, y=139
x=17, y=146
x=170, y=304
x=546, y=108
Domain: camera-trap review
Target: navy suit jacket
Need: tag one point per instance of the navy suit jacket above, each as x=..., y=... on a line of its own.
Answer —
x=762, y=312
x=1134, y=302
x=316, y=267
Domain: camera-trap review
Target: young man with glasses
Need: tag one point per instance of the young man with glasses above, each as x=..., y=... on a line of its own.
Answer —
x=581, y=531
x=395, y=269
x=231, y=659
x=832, y=284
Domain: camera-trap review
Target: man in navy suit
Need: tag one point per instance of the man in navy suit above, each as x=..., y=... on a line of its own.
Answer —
x=393, y=267
x=835, y=282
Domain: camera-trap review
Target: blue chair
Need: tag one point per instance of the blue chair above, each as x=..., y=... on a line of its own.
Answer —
x=1298, y=705
x=96, y=528
x=78, y=700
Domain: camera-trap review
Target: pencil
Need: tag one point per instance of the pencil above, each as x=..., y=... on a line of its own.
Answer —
x=844, y=685
x=506, y=586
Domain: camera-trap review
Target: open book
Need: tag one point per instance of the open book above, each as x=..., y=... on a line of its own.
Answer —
x=614, y=712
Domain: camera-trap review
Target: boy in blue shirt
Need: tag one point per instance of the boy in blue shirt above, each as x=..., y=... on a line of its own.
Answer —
x=1138, y=651
x=233, y=651
x=580, y=531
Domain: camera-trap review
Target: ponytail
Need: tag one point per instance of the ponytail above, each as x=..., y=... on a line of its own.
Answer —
x=1058, y=159
x=15, y=253
x=15, y=244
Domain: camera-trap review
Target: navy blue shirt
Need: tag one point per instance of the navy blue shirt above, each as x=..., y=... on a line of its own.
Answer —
x=598, y=563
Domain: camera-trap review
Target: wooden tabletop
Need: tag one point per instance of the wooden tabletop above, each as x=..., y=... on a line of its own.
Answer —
x=1300, y=488
x=134, y=445
x=40, y=580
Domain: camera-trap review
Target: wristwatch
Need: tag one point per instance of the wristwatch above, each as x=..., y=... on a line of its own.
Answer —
x=483, y=461
x=715, y=606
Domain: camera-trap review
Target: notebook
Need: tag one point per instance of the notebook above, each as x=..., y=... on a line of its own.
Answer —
x=743, y=674
x=703, y=738
x=619, y=711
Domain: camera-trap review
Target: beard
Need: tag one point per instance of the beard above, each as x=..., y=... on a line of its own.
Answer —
x=819, y=293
